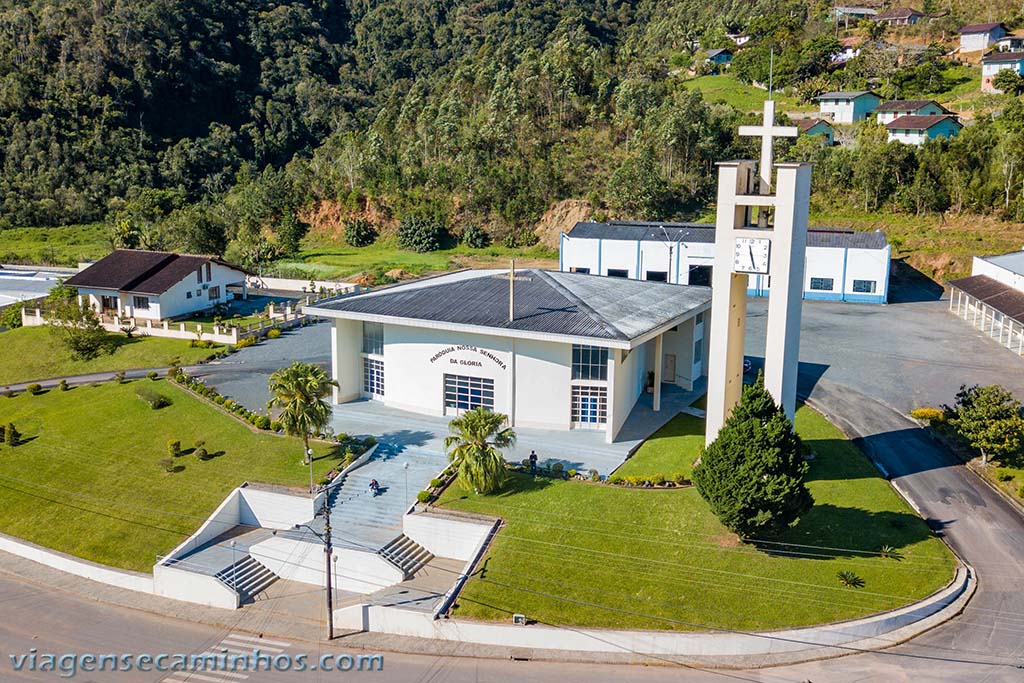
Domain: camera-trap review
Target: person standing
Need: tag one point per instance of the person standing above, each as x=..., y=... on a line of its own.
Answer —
x=533, y=462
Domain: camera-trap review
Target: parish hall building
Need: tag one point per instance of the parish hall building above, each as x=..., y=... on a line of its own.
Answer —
x=552, y=350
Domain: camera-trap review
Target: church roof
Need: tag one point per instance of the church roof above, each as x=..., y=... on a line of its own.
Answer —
x=617, y=311
x=696, y=233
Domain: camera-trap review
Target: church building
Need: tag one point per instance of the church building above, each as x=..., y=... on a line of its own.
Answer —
x=551, y=350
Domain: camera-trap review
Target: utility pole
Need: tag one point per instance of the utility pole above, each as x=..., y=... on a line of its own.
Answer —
x=328, y=549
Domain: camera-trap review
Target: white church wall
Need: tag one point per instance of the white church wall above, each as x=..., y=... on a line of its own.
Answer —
x=546, y=404
x=824, y=264
x=871, y=265
x=628, y=383
x=654, y=257
x=346, y=359
x=619, y=255
x=980, y=266
x=579, y=253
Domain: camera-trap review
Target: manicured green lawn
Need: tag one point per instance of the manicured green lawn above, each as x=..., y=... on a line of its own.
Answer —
x=339, y=260
x=582, y=554
x=670, y=450
x=89, y=483
x=64, y=246
x=31, y=353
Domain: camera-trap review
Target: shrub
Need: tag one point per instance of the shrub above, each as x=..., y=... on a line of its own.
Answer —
x=360, y=232
x=10, y=317
x=423, y=496
x=888, y=552
x=752, y=474
x=174, y=447
x=276, y=426
x=273, y=333
x=572, y=474
x=245, y=342
x=475, y=237
x=420, y=234
x=1004, y=475
x=369, y=442
x=849, y=579
x=155, y=400
x=3, y=433
x=202, y=454
x=13, y=436
x=63, y=385
x=435, y=483
x=680, y=479
x=34, y=389
x=1020, y=490
x=323, y=481
x=930, y=415
x=167, y=464
x=152, y=375
x=230, y=404
x=656, y=479
x=199, y=443
x=219, y=400
x=262, y=422
x=616, y=480
x=556, y=469
x=594, y=475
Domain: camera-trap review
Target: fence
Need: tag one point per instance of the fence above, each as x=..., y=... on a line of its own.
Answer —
x=219, y=333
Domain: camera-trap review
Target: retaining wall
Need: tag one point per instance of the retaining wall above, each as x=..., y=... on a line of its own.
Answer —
x=72, y=565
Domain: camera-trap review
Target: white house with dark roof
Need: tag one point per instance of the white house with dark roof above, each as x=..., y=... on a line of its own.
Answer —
x=979, y=36
x=155, y=285
x=847, y=106
x=894, y=109
x=550, y=350
x=899, y=16
x=916, y=130
x=992, y=298
x=842, y=265
x=992, y=64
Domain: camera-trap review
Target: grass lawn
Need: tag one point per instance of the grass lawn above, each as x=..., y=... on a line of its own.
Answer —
x=670, y=450
x=88, y=482
x=33, y=353
x=726, y=88
x=582, y=554
x=63, y=246
x=332, y=260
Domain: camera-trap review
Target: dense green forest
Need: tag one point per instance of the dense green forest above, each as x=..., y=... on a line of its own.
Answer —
x=208, y=125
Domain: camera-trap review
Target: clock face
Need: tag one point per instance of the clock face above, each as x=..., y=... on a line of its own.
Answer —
x=752, y=255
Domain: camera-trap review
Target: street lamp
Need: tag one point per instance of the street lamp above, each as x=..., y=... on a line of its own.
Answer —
x=234, y=566
x=309, y=459
x=405, y=466
x=334, y=560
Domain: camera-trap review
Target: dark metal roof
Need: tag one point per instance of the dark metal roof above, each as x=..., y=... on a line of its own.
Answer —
x=696, y=233
x=146, y=272
x=920, y=122
x=898, y=13
x=844, y=95
x=573, y=304
x=1003, y=298
x=1003, y=58
x=806, y=124
x=907, y=105
x=982, y=28
x=718, y=51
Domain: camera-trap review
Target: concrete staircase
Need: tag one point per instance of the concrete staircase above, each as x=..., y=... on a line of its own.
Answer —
x=363, y=521
x=247, y=577
x=406, y=554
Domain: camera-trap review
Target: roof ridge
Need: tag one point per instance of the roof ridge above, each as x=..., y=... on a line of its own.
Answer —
x=584, y=306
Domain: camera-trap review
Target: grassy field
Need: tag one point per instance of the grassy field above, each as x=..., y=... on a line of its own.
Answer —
x=326, y=260
x=34, y=353
x=670, y=450
x=88, y=481
x=725, y=88
x=64, y=246
x=581, y=554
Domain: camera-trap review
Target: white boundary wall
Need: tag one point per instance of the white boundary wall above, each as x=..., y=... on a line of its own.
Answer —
x=445, y=536
x=72, y=565
x=303, y=561
x=920, y=616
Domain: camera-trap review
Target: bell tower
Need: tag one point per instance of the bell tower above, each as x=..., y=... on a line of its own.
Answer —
x=760, y=229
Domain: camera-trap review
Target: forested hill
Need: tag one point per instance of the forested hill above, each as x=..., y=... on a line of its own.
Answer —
x=200, y=123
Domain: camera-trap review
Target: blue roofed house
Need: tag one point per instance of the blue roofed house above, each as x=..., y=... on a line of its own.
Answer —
x=915, y=130
x=847, y=106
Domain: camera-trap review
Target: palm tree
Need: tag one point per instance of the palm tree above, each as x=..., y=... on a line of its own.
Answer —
x=299, y=392
x=473, y=448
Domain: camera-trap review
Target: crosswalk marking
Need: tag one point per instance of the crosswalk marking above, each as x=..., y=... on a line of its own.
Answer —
x=190, y=676
x=239, y=636
x=252, y=646
x=221, y=649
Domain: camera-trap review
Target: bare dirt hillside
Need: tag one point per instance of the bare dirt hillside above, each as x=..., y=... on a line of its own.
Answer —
x=560, y=218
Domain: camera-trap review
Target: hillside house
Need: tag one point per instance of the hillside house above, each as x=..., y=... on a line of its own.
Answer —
x=854, y=15
x=1010, y=44
x=888, y=112
x=818, y=127
x=847, y=106
x=155, y=285
x=719, y=57
x=979, y=36
x=915, y=130
x=992, y=64
x=899, y=16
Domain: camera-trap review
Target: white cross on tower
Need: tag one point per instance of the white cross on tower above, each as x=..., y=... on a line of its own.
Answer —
x=768, y=131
